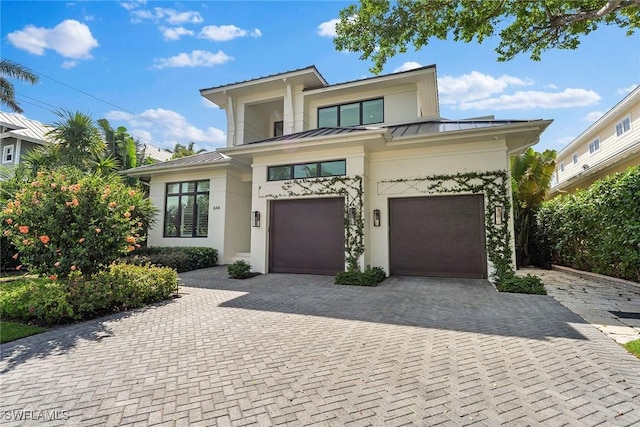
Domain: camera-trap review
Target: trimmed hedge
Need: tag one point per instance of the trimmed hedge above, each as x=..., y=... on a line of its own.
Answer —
x=239, y=270
x=528, y=284
x=120, y=287
x=181, y=258
x=597, y=229
x=368, y=277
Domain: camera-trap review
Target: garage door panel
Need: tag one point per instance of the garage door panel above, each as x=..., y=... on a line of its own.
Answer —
x=438, y=236
x=307, y=236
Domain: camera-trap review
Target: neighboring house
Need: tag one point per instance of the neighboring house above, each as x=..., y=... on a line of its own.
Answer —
x=152, y=152
x=317, y=178
x=611, y=144
x=18, y=135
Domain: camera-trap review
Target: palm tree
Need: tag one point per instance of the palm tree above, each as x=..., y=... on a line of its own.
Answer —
x=120, y=145
x=531, y=175
x=185, y=150
x=15, y=71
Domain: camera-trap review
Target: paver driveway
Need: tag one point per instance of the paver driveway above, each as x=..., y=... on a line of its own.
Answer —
x=296, y=349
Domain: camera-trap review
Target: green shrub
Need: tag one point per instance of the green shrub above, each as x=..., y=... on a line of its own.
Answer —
x=596, y=229
x=528, y=284
x=41, y=300
x=368, y=277
x=181, y=258
x=8, y=255
x=67, y=220
x=120, y=287
x=239, y=270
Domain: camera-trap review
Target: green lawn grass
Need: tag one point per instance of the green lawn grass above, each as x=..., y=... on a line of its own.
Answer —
x=10, y=331
x=633, y=347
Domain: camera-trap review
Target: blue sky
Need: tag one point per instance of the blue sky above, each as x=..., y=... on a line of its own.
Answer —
x=141, y=64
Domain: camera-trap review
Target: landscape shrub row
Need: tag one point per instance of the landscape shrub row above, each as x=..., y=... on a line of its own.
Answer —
x=597, y=229
x=119, y=287
x=528, y=284
x=369, y=277
x=181, y=258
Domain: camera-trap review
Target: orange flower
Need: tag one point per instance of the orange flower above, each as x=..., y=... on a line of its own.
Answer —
x=9, y=221
x=132, y=192
x=26, y=242
x=19, y=267
x=15, y=256
x=74, y=268
x=131, y=248
x=127, y=214
x=53, y=185
x=112, y=205
x=81, y=240
x=74, y=202
x=23, y=229
x=16, y=203
x=44, y=239
x=35, y=184
x=131, y=239
x=67, y=203
x=57, y=264
x=98, y=230
x=7, y=233
x=53, y=277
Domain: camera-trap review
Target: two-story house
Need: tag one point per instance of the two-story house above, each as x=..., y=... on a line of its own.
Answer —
x=319, y=177
x=18, y=136
x=611, y=144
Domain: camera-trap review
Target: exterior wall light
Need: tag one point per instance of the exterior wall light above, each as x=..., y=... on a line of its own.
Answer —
x=352, y=216
x=498, y=215
x=376, y=217
x=255, y=219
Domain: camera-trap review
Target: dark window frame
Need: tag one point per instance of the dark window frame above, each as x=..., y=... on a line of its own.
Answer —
x=359, y=112
x=196, y=211
x=318, y=170
x=275, y=127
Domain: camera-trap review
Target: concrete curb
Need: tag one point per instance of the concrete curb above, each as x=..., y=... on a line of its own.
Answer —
x=590, y=275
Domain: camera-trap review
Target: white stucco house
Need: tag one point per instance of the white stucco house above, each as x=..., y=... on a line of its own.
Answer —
x=320, y=177
x=18, y=136
x=611, y=144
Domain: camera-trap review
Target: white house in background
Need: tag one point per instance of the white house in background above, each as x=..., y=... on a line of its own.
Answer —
x=319, y=177
x=19, y=135
x=155, y=153
x=611, y=144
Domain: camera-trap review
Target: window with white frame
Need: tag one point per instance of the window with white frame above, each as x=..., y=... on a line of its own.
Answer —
x=561, y=166
x=594, y=145
x=623, y=126
x=575, y=158
x=8, y=154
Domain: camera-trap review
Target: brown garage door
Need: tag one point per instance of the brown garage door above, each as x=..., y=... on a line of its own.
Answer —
x=438, y=236
x=307, y=236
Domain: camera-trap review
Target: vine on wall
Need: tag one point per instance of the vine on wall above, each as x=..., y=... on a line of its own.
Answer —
x=493, y=184
x=349, y=187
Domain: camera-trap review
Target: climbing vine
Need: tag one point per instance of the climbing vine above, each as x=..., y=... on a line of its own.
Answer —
x=493, y=184
x=349, y=187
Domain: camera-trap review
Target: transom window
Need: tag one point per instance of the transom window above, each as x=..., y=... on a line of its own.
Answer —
x=594, y=145
x=352, y=114
x=307, y=170
x=575, y=158
x=186, y=212
x=561, y=166
x=7, y=154
x=623, y=126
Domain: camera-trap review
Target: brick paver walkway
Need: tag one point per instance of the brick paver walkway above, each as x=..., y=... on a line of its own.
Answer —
x=297, y=350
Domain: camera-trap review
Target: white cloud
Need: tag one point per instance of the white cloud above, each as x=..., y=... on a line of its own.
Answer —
x=551, y=86
x=565, y=140
x=175, y=33
x=568, y=98
x=130, y=5
x=69, y=64
x=407, y=66
x=70, y=38
x=626, y=90
x=593, y=116
x=223, y=33
x=474, y=86
x=174, y=128
x=197, y=58
x=161, y=14
x=328, y=28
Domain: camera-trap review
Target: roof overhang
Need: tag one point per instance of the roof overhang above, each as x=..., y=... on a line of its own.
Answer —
x=146, y=172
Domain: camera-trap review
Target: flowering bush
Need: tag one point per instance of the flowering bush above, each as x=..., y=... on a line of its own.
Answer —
x=67, y=221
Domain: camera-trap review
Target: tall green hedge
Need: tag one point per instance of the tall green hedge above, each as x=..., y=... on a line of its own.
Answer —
x=597, y=229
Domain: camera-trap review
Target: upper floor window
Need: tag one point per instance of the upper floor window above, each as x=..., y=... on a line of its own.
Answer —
x=623, y=125
x=594, y=145
x=7, y=154
x=561, y=166
x=186, y=212
x=278, y=128
x=307, y=170
x=575, y=158
x=352, y=114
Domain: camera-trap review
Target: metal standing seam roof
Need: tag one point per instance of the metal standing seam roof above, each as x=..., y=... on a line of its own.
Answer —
x=22, y=127
x=194, y=160
x=310, y=67
x=432, y=127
